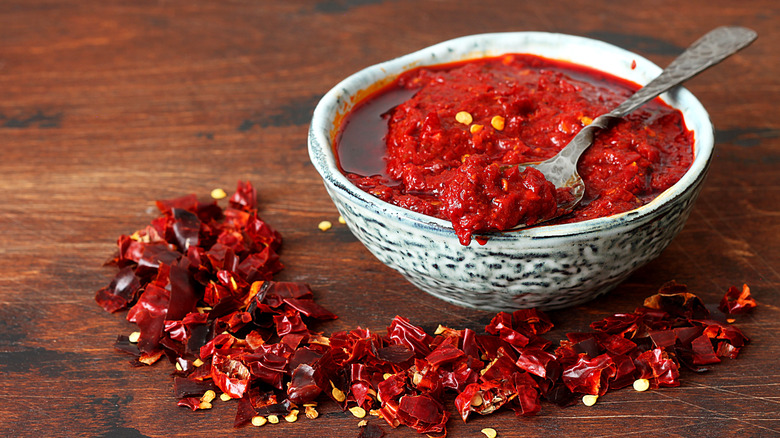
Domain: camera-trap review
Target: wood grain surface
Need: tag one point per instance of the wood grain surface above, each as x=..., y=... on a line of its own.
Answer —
x=106, y=106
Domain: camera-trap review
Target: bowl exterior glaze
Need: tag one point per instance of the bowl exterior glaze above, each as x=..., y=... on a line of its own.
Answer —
x=546, y=267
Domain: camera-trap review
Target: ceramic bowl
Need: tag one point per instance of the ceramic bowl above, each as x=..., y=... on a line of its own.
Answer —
x=546, y=267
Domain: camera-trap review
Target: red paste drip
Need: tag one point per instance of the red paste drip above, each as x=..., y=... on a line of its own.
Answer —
x=405, y=145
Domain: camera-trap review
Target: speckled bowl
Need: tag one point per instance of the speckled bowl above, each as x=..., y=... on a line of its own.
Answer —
x=546, y=267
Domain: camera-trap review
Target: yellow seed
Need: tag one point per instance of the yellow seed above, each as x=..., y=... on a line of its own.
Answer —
x=204, y=405
x=341, y=220
x=324, y=225
x=589, y=400
x=375, y=413
x=439, y=330
x=178, y=367
x=477, y=400
x=134, y=337
x=497, y=122
x=357, y=411
x=475, y=128
x=586, y=120
x=730, y=320
x=292, y=416
x=273, y=419
x=489, y=432
x=362, y=423
x=311, y=413
x=464, y=117
x=259, y=421
x=218, y=194
x=312, y=404
x=209, y=396
x=416, y=379
x=641, y=385
x=338, y=394
x=386, y=376
x=197, y=363
x=225, y=397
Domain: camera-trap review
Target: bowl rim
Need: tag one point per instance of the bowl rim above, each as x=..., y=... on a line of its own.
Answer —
x=342, y=97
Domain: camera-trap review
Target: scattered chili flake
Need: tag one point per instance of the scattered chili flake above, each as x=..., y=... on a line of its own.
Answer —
x=371, y=431
x=199, y=284
x=737, y=301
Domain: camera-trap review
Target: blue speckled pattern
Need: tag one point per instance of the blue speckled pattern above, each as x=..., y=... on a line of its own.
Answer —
x=545, y=267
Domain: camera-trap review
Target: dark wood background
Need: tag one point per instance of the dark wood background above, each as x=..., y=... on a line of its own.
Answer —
x=106, y=106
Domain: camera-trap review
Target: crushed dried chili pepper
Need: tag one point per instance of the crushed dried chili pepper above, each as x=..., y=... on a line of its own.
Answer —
x=198, y=282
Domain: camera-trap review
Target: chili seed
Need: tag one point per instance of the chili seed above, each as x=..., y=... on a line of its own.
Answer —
x=341, y=220
x=324, y=225
x=311, y=413
x=589, y=400
x=209, y=396
x=475, y=128
x=259, y=421
x=197, y=363
x=357, y=411
x=641, y=385
x=218, y=194
x=489, y=432
x=338, y=394
x=464, y=117
x=292, y=416
x=497, y=122
x=134, y=337
x=273, y=419
x=477, y=400
x=362, y=423
x=225, y=397
x=204, y=405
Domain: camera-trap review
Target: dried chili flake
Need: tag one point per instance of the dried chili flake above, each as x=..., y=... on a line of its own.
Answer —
x=737, y=301
x=371, y=431
x=590, y=376
x=198, y=282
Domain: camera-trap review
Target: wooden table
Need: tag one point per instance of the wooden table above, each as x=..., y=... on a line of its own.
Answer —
x=108, y=106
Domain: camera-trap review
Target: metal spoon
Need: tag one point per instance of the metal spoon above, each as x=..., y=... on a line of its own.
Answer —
x=712, y=48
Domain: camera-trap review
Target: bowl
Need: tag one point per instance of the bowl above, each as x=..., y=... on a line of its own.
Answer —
x=546, y=267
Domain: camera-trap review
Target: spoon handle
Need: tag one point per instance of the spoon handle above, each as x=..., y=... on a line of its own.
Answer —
x=710, y=49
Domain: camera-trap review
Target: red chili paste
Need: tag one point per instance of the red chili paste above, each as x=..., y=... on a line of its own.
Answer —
x=408, y=145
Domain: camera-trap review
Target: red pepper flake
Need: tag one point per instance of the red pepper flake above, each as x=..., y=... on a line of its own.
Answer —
x=198, y=282
x=737, y=301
